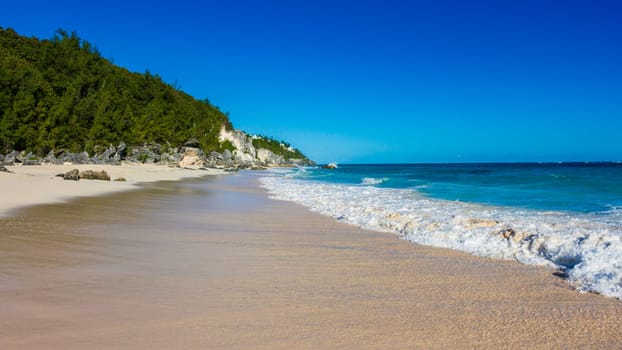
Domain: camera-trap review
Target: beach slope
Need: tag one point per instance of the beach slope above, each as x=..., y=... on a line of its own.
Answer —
x=38, y=184
x=212, y=263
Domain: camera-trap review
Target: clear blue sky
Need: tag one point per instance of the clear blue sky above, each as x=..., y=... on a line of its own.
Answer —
x=381, y=81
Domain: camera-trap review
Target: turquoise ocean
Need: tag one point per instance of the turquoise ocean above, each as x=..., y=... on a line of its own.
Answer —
x=564, y=215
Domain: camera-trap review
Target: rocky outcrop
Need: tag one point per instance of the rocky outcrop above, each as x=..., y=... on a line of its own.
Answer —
x=246, y=155
x=192, y=157
x=10, y=159
x=239, y=153
x=146, y=154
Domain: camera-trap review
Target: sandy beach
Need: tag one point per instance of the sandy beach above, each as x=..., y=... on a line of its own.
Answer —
x=38, y=184
x=212, y=263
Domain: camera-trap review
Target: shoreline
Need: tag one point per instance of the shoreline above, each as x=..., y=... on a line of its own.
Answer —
x=29, y=185
x=214, y=263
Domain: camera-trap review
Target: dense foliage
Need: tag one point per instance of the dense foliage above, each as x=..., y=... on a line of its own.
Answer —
x=277, y=147
x=62, y=94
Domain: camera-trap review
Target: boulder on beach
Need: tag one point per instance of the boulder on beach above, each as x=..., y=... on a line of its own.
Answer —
x=72, y=175
x=95, y=175
x=120, y=179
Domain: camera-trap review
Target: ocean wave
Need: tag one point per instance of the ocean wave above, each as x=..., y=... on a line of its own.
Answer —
x=370, y=181
x=587, y=249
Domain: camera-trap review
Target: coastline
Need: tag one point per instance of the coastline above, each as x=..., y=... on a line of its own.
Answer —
x=215, y=263
x=29, y=185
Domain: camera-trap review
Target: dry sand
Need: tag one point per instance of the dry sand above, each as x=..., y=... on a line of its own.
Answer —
x=38, y=184
x=213, y=264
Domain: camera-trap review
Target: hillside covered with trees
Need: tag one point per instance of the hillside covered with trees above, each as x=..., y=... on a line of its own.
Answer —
x=62, y=94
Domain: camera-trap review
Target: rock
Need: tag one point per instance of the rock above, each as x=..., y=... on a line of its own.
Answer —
x=4, y=169
x=268, y=157
x=330, y=166
x=50, y=158
x=62, y=157
x=19, y=158
x=72, y=175
x=154, y=147
x=192, y=157
x=215, y=159
x=10, y=159
x=227, y=155
x=170, y=156
x=95, y=175
x=121, y=152
x=192, y=152
x=96, y=160
x=120, y=179
x=30, y=159
x=107, y=156
x=147, y=154
x=76, y=158
x=1, y=158
x=193, y=142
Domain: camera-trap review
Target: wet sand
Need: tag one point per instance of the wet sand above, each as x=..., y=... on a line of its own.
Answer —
x=213, y=264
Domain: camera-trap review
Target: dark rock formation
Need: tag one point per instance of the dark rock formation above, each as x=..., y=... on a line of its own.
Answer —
x=193, y=142
x=74, y=158
x=172, y=158
x=120, y=179
x=106, y=157
x=121, y=152
x=29, y=159
x=11, y=158
x=72, y=175
x=50, y=158
x=243, y=156
x=94, y=175
x=146, y=154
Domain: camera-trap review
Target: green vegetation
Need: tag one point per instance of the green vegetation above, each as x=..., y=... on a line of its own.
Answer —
x=226, y=144
x=278, y=147
x=62, y=94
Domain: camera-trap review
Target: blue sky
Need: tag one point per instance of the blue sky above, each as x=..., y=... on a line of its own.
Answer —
x=378, y=81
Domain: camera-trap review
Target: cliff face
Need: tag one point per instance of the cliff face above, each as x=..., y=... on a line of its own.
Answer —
x=247, y=152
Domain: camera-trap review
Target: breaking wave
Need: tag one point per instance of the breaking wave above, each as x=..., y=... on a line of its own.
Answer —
x=370, y=181
x=587, y=248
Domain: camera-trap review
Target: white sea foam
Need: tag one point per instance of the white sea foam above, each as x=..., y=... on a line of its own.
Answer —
x=588, y=248
x=370, y=181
